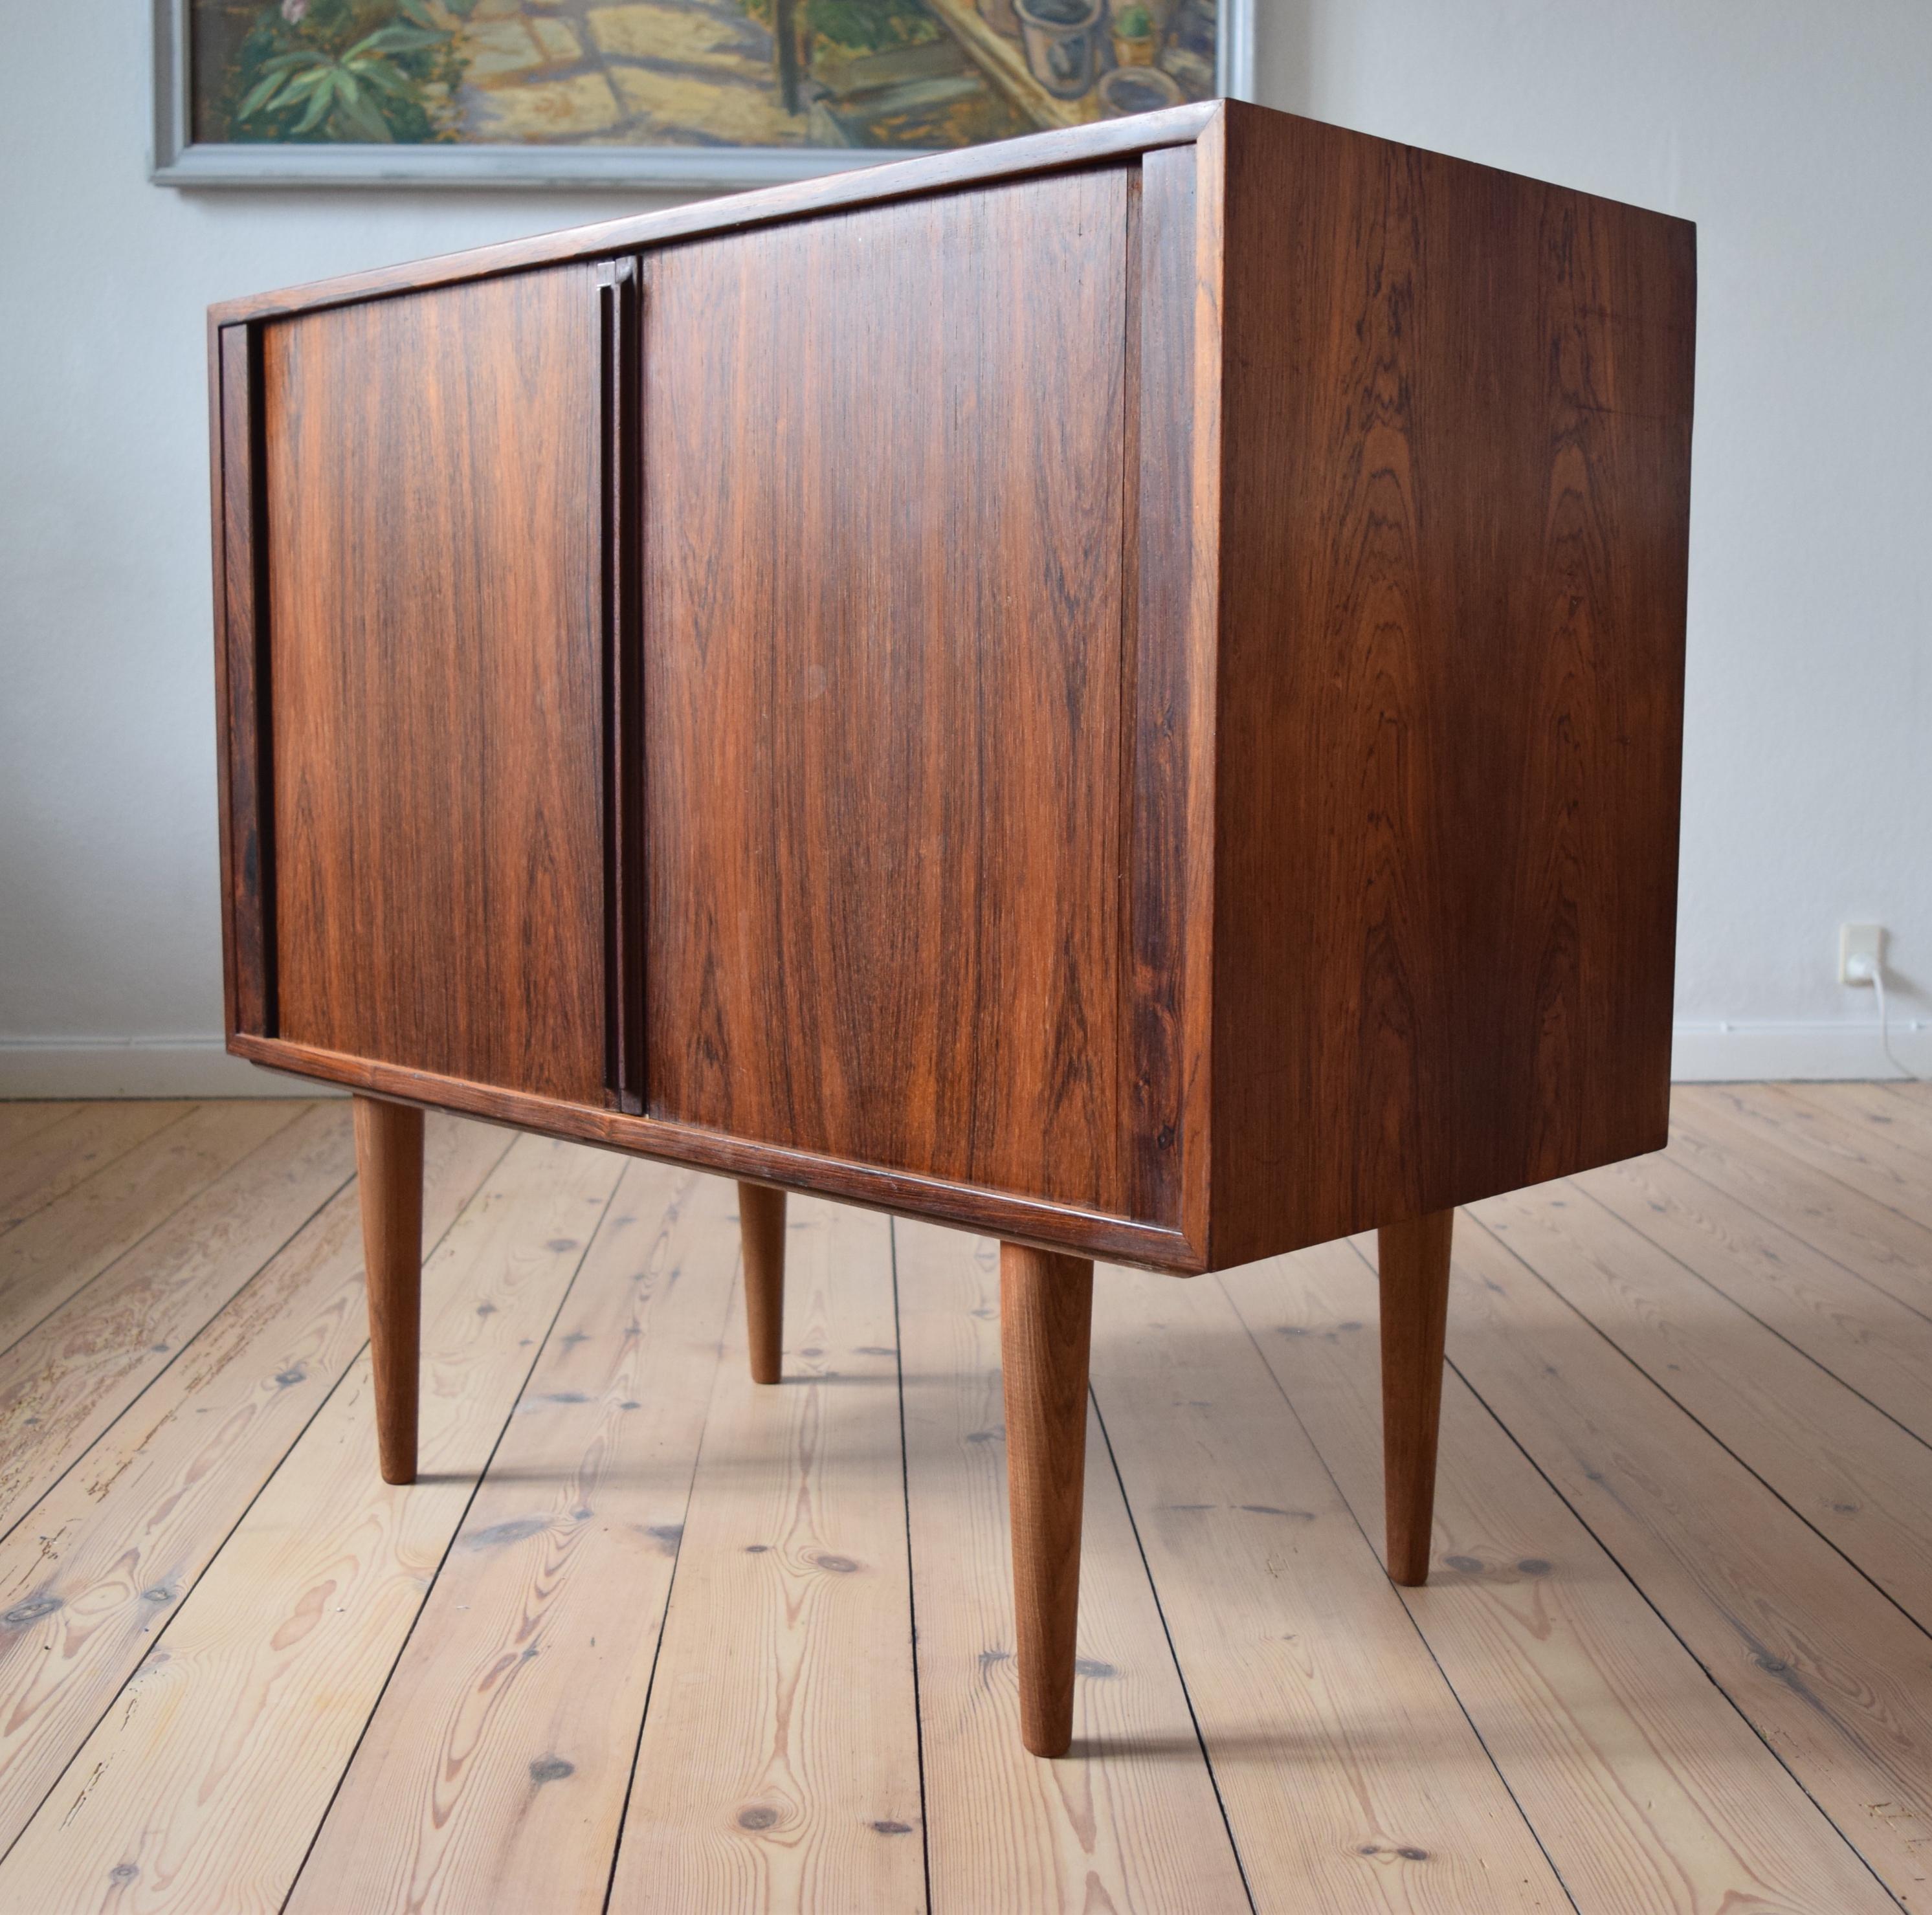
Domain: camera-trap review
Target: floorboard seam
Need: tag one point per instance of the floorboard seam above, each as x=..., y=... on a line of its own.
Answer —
x=1692, y=1417
x=1690, y=1270
x=1810, y=1164
x=456, y=1531
x=663, y=1614
x=181, y=1602
x=27, y=1216
x=1854, y=1217
x=1689, y=1168
x=159, y=1222
x=1644, y=1597
x=912, y=1588
x=1688, y=1164
x=126, y=1409
x=1180, y=1674
x=1896, y=1086
x=47, y=1123
x=1429, y=1648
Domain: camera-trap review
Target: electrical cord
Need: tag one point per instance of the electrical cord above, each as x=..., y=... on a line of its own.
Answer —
x=1884, y=1026
x=1863, y=969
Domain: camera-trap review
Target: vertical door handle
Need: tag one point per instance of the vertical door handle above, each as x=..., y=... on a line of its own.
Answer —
x=620, y=331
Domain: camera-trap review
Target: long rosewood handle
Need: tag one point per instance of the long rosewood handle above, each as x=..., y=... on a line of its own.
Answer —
x=620, y=335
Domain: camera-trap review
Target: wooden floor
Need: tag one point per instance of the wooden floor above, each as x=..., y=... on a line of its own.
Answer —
x=647, y=1637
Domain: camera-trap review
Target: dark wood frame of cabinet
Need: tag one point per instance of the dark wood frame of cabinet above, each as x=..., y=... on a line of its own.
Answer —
x=1215, y=583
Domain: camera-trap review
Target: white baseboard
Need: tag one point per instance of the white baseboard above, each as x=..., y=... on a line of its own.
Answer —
x=69, y=1067
x=1735, y=1052
x=1741, y=1051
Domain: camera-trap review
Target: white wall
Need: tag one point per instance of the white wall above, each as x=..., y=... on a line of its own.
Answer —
x=1799, y=136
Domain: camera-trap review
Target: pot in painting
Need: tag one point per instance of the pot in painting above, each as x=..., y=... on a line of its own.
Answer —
x=1137, y=90
x=1062, y=39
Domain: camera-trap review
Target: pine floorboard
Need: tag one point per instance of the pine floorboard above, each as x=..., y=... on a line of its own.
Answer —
x=647, y=1637
x=1130, y=1819
x=51, y=1161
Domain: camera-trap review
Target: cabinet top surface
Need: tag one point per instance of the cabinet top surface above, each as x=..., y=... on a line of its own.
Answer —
x=1006, y=159
x=938, y=172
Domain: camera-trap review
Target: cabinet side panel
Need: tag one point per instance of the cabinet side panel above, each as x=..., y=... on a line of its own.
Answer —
x=434, y=513
x=1458, y=415
x=1177, y=366
x=884, y=477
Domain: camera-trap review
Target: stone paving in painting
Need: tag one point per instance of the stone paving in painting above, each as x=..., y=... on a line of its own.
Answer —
x=624, y=72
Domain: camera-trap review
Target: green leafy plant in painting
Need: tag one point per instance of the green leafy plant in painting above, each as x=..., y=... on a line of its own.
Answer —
x=870, y=25
x=857, y=26
x=378, y=71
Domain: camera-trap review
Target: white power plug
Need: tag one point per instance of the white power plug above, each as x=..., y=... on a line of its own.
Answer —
x=1860, y=953
x=1862, y=961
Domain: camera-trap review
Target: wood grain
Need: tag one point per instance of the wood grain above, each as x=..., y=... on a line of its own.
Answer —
x=1456, y=460
x=1887, y=1123
x=1867, y=1156
x=1895, y=1109
x=1170, y=563
x=20, y=1118
x=64, y=1382
x=51, y=1161
x=882, y=702
x=1888, y=1248
x=1165, y=737
x=438, y=728
x=1902, y=1107
x=1865, y=1338
x=493, y=1773
x=262, y=1681
x=1596, y=1553
x=779, y=1767
x=1350, y=1775
x=61, y=1249
x=389, y=1180
x=99, y=1565
x=1413, y=1264
x=1176, y=760
x=761, y=1226
x=1846, y=1468
x=1649, y=1793
x=1128, y=1819
x=1046, y=1310
x=1056, y=150
x=1916, y=1094
x=1827, y=1669
x=1049, y=1226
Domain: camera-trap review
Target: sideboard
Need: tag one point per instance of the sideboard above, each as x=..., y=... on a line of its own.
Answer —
x=1120, y=690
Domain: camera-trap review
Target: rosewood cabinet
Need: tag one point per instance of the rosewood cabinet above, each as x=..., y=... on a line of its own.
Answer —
x=1120, y=690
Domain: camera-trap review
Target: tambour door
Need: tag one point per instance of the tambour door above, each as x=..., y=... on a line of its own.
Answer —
x=885, y=472
x=430, y=468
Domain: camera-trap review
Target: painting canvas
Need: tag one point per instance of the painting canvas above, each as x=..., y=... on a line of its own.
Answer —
x=730, y=91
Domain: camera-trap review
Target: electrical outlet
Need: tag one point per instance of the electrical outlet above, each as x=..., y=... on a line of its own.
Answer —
x=1861, y=952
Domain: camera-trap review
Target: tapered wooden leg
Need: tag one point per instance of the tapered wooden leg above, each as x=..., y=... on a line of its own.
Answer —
x=761, y=1214
x=1414, y=1260
x=1046, y=1313
x=388, y=1163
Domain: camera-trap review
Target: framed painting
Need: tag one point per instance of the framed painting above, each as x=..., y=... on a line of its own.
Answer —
x=673, y=94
